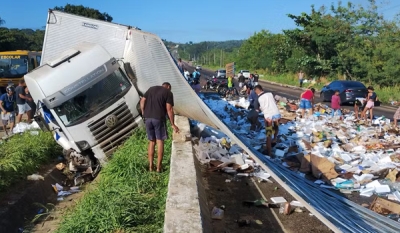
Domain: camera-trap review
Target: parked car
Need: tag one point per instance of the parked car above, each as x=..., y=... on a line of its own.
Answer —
x=349, y=90
x=220, y=73
x=198, y=67
x=245, y=73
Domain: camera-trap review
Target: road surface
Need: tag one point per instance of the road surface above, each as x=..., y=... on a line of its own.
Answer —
x=291, y=93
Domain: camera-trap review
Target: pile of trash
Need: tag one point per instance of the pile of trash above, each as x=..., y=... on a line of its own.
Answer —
x=340, y=152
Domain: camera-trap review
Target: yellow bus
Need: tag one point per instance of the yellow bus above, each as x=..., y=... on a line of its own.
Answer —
x=15, y=64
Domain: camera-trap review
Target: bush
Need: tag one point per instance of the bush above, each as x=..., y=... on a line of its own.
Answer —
x=127, y=198
x=23, y=154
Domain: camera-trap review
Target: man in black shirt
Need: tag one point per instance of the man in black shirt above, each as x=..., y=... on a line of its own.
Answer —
x=255, y=79
x=156, y=103
x=21, y=99
x=241, y=80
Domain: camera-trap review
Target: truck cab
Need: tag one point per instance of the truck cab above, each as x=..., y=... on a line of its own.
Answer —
x=87, y=99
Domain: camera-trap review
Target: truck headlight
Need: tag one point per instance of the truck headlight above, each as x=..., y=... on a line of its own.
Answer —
x=83, y=145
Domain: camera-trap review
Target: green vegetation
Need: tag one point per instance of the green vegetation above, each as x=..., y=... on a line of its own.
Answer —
x=22, y=155
x=84, y=11
x=210, y=53
x=28, y=39
x=127, y=198
x=336, y=42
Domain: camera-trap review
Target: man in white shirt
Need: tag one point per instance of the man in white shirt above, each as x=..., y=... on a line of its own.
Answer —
x=268, y=107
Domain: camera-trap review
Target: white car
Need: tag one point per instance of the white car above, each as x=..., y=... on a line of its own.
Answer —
x=245, y=73
x=198, y=67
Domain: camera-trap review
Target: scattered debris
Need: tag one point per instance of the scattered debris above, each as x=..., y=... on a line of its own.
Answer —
x=35, y=177
x=60, y=166
x=217, y=213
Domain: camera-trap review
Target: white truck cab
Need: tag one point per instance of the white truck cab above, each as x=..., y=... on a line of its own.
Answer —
x=88, y=100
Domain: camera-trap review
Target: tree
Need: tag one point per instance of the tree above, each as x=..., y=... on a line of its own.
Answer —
x=2, y=21
x=84, y=11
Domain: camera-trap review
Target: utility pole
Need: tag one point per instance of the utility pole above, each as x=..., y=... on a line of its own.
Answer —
x=220, y=59
x=214, y=59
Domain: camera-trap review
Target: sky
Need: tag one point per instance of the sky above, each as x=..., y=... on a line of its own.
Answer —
x=183, y=21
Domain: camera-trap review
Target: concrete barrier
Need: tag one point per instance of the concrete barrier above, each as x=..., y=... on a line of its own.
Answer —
x=186, y=205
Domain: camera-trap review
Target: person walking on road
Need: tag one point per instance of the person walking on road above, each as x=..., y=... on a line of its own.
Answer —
x=301, y=77
x=307, y=101
x=7, y=103
x=335, y=104
x=156, y=104
x=396, y=116
x=255, y=79
x=21, y=99
x=268, y=107
x=241, y=80
x=186, y=74
x=180, y=65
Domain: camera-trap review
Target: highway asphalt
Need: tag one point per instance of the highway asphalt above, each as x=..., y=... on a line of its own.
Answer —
x=294, y=93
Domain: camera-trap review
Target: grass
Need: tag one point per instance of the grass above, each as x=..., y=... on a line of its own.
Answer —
x=23, y=154
x=385, y=94
x=127, y=197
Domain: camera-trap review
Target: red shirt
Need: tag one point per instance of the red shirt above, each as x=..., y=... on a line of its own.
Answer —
x=335, y=102
x=308, y=95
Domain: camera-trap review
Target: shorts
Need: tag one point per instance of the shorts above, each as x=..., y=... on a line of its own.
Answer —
x=305, y=104
x=240, y=84
x=370, y=104
x=156, y=129
x=255, y=83
x=274, y=117
x=8, y=117
x=23, y=108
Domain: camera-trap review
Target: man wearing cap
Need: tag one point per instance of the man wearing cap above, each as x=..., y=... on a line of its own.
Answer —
x=7, y=103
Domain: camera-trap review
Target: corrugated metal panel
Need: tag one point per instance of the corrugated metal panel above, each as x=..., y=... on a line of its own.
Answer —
x=64, y=31
x=153, y=65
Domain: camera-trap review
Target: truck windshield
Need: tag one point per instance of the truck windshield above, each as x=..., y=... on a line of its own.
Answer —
x=94, y=99
x=13, y=66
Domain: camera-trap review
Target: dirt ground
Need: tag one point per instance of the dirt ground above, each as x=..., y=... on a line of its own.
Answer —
x=232, y=194
x=51, y=221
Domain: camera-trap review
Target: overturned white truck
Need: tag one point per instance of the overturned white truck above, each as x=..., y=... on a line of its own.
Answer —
x=89, y=84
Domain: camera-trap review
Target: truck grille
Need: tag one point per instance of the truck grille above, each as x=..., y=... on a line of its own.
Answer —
x=110, y=138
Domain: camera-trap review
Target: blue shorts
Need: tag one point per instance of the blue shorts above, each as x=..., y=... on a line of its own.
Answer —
x=156, y=129
x=274, y=117
x=305, y=104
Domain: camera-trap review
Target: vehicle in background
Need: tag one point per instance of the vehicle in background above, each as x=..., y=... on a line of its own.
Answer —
x=198, y=67
x=86, y=87
x=245, y=73
x=220, y=73
x=15, y=64
x=349, y=90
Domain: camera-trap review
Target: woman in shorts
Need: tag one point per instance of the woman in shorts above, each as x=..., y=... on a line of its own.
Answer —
x=371, y=98
x=307, y=101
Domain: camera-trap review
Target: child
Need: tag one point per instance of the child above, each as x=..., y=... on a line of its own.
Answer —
x=335, y=104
